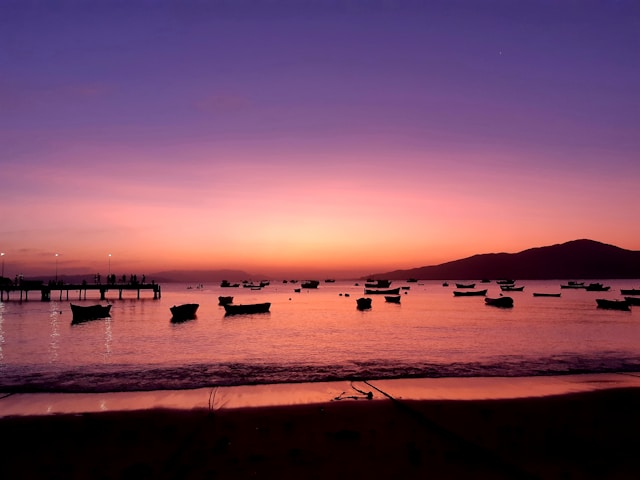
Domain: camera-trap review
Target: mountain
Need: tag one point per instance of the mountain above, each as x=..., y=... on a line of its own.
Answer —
x=585, y=259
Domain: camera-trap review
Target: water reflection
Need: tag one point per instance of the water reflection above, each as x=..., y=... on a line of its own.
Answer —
x=1, y=330
x=54, y=342
x=107, y=338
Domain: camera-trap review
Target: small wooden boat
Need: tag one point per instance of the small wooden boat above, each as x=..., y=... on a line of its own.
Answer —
x=474, y=293
x=596, y=287
x=505, y=281
x=511, y=288
x=185, y=311
x=310, y=284
x=412, y=280
x=540, y=294
x=392, y=298
x=465, y=285
x=390, y=291
x=377, y=284
x=630, y=291
x=247, y=308
x=573, y=285
x=227, y=284
x=502, y=302
x=632, y=300
x=89, y=312
x=613, y=304
x=445, y=284
x=225, y=300
x=363, y=303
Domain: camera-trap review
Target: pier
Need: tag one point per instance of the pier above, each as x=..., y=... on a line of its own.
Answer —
x=63, y=290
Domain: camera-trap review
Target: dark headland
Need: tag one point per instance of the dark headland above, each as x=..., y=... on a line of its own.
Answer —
x=583, y=259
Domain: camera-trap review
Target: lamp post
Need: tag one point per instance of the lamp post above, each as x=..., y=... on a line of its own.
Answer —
x=109, y=266
x=57, y=267
x=2, y=255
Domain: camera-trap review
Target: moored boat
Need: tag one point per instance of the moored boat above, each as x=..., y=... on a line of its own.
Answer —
x=502, y=302
x=613, y=304
x=542, y=294
x=465, y=285
x=596, y=287
x=310, y=284
x=392, y=298
x=377, y=284
x=573, y=284
x=632, y=300
x=471, y=293
x=231, y=309
x=225, y=300
x=227, y=284
x=186, y=311
x=511, y=288
x=363, y=303
x=630, y=291
x=390, y=291
x=90, y=312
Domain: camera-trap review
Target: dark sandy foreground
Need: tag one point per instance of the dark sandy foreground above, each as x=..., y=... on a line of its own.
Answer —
x=584, y=435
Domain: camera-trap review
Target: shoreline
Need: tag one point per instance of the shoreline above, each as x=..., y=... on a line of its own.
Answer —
x=289, y=394
x=584, y=426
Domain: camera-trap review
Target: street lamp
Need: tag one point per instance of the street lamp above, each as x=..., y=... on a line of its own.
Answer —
x=57, y=267
x=109, y=266
x=2, y=255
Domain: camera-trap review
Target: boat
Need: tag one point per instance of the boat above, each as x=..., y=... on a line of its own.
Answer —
x=502, y=302
x=632, y=300
x=363, y=303
x=390, y=291
x=465, y=285
x=225, y=300
x=310, y=284
x=573, y=285
x=227, y=284
x=330, y=280
x=613, y=304
x=412, y=280
x=596, y=287
x=505, y=281
x=540, y=294
x=377, y=284
x=392, y=298
x=89, y=312
x=630, y=291
x=511, y=288
x=186, y=311
x=246, y=308
x=474, y=293
x=445, y=284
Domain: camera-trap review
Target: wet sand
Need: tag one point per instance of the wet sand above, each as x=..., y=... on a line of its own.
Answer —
x=586, y=434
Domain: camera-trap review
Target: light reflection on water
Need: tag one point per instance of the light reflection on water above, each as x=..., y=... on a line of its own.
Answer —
x=314, y=333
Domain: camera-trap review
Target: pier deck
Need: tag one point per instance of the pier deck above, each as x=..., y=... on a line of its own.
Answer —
x=46, y=290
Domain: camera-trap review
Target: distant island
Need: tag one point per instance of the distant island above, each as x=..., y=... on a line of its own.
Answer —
x=584, y=259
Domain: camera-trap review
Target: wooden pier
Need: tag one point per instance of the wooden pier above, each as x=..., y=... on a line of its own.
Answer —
x=47, y=290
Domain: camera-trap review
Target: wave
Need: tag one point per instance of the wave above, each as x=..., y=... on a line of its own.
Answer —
x=128, y=378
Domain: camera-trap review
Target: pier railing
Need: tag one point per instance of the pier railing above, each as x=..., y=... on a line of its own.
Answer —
x=82, y=289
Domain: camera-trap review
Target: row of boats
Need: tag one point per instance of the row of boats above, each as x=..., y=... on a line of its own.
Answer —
x=186, y=311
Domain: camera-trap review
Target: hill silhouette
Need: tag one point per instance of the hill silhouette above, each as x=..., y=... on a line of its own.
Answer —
x=585, y=259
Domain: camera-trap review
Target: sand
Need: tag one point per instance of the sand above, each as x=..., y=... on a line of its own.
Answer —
x=591, y=434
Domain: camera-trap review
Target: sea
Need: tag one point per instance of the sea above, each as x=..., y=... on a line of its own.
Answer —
x=312, y=335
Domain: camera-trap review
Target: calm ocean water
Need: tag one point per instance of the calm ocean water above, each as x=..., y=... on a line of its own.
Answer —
x=314, y=335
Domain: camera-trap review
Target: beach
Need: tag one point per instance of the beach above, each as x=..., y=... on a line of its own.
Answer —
x=586, y=429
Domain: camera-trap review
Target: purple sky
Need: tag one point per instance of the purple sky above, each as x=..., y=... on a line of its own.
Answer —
x=314, y=134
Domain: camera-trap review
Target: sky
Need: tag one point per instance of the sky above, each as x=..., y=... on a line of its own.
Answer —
x=310, y=137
